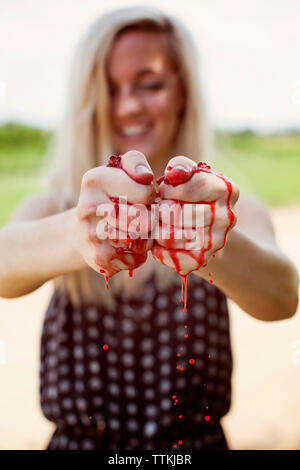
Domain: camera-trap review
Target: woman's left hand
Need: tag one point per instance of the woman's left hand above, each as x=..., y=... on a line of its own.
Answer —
x=196, y=213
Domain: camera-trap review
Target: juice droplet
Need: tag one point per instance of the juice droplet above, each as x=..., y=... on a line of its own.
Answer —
x=180, y=442
x=181, y=298
x=209, y=274
x=207, y=418
x=211, y=281
x=105, y=347
x=184, y=284
x=180, y=416
x=101, y=271
x=90, y=417
x=178, y=354
x=174, y=446
x=186, y=335
x=130, y=273
x=192, y=361
x=106, y=280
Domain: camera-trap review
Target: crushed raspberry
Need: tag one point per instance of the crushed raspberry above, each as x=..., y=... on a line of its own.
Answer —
x=115, y=161
x=203, y=165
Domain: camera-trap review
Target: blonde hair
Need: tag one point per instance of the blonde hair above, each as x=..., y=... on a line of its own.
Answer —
x=83, y=141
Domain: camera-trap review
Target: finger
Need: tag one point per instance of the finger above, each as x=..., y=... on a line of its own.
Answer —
x=179, y=170
x=183, y=262
x=135, y=164
x=185, y=215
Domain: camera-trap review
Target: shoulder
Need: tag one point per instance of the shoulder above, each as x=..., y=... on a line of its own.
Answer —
x=35, y=207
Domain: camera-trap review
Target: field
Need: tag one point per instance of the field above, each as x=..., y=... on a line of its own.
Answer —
x=265, y=166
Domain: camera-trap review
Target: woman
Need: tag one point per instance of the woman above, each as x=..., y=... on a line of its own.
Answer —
x=124, y=367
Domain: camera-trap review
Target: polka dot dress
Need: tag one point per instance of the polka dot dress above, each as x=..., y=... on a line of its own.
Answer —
x=163, y=382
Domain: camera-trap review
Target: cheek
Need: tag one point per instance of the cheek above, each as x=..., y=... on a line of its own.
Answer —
x=162, y=109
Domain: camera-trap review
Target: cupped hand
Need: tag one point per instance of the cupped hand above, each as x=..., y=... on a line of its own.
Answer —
x=110, y=200
x=196, y=213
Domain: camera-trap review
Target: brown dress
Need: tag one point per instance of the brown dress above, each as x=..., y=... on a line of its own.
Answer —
x=132, y=395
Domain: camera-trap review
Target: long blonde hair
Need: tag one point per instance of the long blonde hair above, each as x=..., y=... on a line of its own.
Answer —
x=83, y=141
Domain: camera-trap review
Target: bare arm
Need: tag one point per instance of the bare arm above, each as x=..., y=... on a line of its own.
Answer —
x=36, y=246
x=251, y=269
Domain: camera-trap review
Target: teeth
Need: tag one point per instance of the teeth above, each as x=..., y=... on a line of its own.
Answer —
x=133, y=130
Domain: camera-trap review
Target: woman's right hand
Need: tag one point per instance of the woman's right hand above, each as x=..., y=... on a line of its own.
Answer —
x=107, y=240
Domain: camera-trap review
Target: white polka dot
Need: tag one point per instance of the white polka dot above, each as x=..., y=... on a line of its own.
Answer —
x=198, y=311
x=114, y=424
x=164, y=336
x=145, y=311
x=98, y=401
x=165, y=386
x=130, y=391
x=148, y=377
x=95, y=383
x=128, y=359
x=165, y=369
x=199, y=346
x=78, y=352
x=198, y=293
x=109, y=322
x=92, y=332
x=64, y=369
x=64, y=386
x=212, y=319
x=77, y=336
x=164, y=353
x=114, y=389
x=150, y=428
x=81, y=404
x=151, y=411
x=162, y=318
x=52, y=392
x=52, y=345
x=165, y=404
x=181, y=383
x=199, y=329
x=131, y=408
x=129, y=375
x=93, y=350
x=113, y=408
x=149, y=393
x=92, y=314
x=52, y=360
x=180, y=332
x=79, y=369
x=87, y=444
x=113, y=373
x=132, y=425
x=211, y=302
x=128, y=326
x=128, y=311
x=112, y=357
x=71, y=419
x=162, y=301
x=63, y=441
x=67, y=403
x=147, y=344
x=147, y=361
x=179, y=315
x=94, y=367
x=128, y=343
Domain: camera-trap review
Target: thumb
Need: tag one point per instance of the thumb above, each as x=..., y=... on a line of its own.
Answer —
x=135, y=164
x=179, y=170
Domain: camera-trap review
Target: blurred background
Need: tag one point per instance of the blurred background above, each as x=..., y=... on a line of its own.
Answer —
x=250, y=68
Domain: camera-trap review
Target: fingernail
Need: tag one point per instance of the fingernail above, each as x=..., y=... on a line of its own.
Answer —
x=142, y=169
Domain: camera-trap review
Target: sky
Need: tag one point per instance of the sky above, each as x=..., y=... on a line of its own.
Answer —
x=249, y=56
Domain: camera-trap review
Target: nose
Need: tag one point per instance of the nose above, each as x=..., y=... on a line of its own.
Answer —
x=126, y=104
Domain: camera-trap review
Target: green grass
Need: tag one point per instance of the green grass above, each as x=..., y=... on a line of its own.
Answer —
x=265, y=166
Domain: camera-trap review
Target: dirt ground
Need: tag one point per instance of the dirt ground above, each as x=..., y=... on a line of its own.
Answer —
x=265, y=412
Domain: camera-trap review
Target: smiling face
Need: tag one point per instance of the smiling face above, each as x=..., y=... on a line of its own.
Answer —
x=146, y=95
